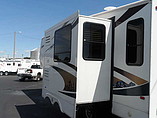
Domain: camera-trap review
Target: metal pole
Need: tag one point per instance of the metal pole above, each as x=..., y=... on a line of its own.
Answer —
x=14, y=50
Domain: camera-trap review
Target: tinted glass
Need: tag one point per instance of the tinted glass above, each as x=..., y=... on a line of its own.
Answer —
x=93, y=41
x=62, y=47
x=135, y=42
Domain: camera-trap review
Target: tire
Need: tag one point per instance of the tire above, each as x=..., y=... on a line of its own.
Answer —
x=86, y=111
x=22, y=79
x=89, y=111
x=1, y=73
x=6, y=73
x=38, y=77
x=47, y=102
x=56, y=106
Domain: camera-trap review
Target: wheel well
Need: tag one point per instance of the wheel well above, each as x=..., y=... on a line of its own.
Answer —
x=55, y=102
x=39, y=73
x=47, y=100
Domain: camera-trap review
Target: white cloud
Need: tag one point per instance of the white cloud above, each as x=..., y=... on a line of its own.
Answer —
x=27, y=50
x=1, y=52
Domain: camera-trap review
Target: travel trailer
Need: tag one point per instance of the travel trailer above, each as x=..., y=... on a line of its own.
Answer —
x=9, y=67
x=103, y=63
x=16, y=66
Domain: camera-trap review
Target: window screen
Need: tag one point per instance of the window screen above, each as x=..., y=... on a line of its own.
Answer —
x=135, y=42
x=62, y=44
x=93, y=41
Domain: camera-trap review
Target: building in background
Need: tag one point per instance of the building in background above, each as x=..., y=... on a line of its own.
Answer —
x=34, y=54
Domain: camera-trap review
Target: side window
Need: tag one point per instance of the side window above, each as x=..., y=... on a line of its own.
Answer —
x=93, y=41
x=135, y=42
x=8, y=64
x=19, y=64
x=62, y=44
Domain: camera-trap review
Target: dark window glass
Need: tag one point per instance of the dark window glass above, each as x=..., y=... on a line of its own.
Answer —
x=62, y=47
x=35, y=67
x=8, y=64
x=93, y=41
x=135, y=42
x=19, y=64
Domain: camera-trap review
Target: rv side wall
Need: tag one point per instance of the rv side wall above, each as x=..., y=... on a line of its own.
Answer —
x=153, y=65
x=58, y=59
x=131, y=59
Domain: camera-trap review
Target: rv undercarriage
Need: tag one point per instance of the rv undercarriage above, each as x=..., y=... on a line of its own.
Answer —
x=94, y=110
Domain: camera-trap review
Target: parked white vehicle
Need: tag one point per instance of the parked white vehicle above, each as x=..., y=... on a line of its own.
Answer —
x=26, y=64
x=16, y=66
x=103, y=63
x=35, y=73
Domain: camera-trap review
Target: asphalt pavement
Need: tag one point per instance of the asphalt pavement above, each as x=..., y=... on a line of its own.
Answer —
x=23, y=100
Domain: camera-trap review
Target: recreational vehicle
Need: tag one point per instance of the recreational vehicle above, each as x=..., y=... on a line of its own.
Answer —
x=103, y=63
x=16, y=66
x=9, y=67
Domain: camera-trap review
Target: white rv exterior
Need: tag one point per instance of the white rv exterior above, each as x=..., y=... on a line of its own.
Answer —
x=86, y=77
x=26, y=64
x=15, y=66
x=9, y=66
x=66, y=79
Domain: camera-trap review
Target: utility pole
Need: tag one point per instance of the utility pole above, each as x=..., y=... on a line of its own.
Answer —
x=14, y=50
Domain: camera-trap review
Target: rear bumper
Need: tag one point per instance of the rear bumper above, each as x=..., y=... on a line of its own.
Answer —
x=24, y=75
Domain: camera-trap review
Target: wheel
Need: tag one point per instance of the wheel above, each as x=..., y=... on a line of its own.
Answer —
x=1, y=73
x=6, y=73
x=86, y=111
x=38, y=78
x=89, y=111
x=56, y=106
x=22, y=79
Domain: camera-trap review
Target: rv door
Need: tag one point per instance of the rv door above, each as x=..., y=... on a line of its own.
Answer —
x=94, y=60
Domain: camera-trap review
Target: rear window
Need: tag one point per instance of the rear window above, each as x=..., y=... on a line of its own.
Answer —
x=35, y=67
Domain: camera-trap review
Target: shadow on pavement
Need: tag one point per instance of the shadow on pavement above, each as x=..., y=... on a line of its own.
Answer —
x=40, y=108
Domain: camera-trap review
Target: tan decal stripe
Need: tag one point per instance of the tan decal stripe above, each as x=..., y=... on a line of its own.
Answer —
x=118, y=83
x=69, y=79
x=115, y=80
x=130, y=76
x=142, y=90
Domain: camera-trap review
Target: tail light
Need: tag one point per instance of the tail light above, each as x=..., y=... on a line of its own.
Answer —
x=29, y=70
x=142, y=98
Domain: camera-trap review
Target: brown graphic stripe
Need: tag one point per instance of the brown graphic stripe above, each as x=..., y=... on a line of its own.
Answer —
x=130, y=12
x=75, y=23
x=69, y=79
x=115, y=80
x=130, y=76
x=73, y=95
x=142, y=90
x=70, y=65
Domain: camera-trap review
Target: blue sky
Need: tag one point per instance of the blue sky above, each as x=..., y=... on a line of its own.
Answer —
x=33, y=17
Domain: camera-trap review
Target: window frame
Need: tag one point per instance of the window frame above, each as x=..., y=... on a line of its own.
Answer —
x=137, y=45
x=94, y=42
x=56, y=60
